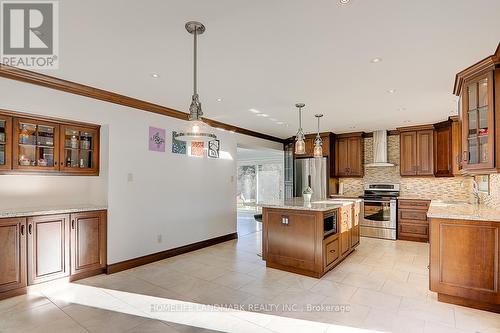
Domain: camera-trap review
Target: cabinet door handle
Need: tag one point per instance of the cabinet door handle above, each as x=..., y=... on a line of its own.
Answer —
x=73, y=224
x=22, y=229
x=332, y=251
x=29, y=228
x=465, y=156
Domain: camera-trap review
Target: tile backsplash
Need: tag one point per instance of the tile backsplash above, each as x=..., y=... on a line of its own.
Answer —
x=493, y=199
x=452, y=188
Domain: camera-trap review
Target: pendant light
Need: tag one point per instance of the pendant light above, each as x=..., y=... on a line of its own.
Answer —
x=318, y=143
x=197, y=129
x=300, y=145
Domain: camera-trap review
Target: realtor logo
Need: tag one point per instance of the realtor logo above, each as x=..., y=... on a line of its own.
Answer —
x=29, y=36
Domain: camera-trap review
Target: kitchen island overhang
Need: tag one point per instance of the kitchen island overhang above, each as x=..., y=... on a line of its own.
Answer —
x=309, y=238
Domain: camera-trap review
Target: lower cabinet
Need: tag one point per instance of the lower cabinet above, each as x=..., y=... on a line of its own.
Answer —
x=355, y=224
x=88, y=242
x=413, y=224
x=48, y=248
x=465, y=262
x=345, y=230
x=12, y=256
x=43, y=248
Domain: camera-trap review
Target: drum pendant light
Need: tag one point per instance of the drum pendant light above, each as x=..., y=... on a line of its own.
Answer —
x=197, y=129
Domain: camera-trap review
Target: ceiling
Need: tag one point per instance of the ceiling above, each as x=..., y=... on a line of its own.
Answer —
x=269, y=54
x=246, y=154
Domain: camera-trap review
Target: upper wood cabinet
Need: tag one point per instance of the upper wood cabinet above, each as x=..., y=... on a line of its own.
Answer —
x=327, y=139
x=417, y=151
x=5, y=142
x=32, y=144
x=479, y=90
x=35, y=145
x=349, y=155
x=447, y=148
x=79, y=149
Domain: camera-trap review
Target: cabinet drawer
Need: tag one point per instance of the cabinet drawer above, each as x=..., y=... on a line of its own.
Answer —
x=413, y=215
x=414, y=204
x=332, y=252
x=413, y=229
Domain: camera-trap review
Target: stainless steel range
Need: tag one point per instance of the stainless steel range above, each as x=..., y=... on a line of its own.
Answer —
x=380, y=211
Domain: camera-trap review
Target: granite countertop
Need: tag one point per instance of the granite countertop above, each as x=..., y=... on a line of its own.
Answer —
x=462, y=211
x=48, y=210
x=299, y=204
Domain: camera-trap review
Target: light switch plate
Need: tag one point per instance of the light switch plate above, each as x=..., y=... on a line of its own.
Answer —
x=130, y=177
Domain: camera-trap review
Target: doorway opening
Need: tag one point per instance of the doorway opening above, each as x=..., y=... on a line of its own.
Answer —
x=259, y=179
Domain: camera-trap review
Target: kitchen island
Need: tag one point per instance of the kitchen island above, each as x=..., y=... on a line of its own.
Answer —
x=309, y=238
x=464, y=254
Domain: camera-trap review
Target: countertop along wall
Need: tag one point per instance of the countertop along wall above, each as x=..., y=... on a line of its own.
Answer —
x=438, y=188
x=183, y=199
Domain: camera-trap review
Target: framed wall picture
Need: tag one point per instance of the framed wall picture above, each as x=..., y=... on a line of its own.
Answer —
x=213, y=148
x=156, y=139
x=178, y=147
x=198, y=149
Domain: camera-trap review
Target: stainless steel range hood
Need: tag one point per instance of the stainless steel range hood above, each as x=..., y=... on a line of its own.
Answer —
x=379, y=150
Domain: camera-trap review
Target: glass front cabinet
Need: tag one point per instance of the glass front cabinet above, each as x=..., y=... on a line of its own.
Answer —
x=78, y=149
x=478, y=88
x=36, y=145
x=5, y=142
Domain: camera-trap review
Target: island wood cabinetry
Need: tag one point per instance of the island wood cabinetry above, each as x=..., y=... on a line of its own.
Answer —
x=37, y=249
x=413, y=224
x=34, y=144
x=479, y=90
x=464, y=262
x=417, y=150
x=294, y=240
x=349, y=155
x=447, y=156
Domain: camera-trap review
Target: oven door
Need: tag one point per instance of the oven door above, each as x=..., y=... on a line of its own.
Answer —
x=379, y=213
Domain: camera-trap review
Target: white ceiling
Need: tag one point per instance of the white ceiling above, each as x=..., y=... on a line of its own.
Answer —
x=246, y=154
x=270, y=54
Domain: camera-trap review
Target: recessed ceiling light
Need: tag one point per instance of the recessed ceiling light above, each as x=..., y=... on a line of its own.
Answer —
x=154, y=75
x=262, y=115
x=344, y=2
x=401, y=109
x=352, y=127
x=219, y=99
x=254, y=110
x=375, y=60
x=391, y=91
x=407, y=121
x=273, y=119
x=280, y=123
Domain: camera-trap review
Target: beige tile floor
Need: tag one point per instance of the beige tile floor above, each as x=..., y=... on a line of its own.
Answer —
x=381, y=287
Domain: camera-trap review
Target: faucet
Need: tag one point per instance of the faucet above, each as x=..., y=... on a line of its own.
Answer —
x=475, y=192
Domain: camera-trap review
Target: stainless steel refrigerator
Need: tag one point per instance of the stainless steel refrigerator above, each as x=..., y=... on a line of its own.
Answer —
x=311, y=172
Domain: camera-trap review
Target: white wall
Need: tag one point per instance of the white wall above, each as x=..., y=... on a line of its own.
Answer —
x=184, y=199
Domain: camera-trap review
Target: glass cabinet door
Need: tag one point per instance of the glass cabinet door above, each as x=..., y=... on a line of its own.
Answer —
x=79, y=149
x=5, y=142
x=35, y=145
x=478, y=121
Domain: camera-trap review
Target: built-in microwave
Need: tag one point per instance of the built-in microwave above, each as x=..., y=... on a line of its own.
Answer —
x=330, y=223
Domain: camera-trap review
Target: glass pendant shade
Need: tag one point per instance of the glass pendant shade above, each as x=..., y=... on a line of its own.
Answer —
x=318, y=143
x=196, y=130
x=318, y=147
x=300, y=147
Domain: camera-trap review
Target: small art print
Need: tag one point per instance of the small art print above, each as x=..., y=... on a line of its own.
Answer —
x=213, y=148
x=197, y=148
x=156, y=139
x=178, y=147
